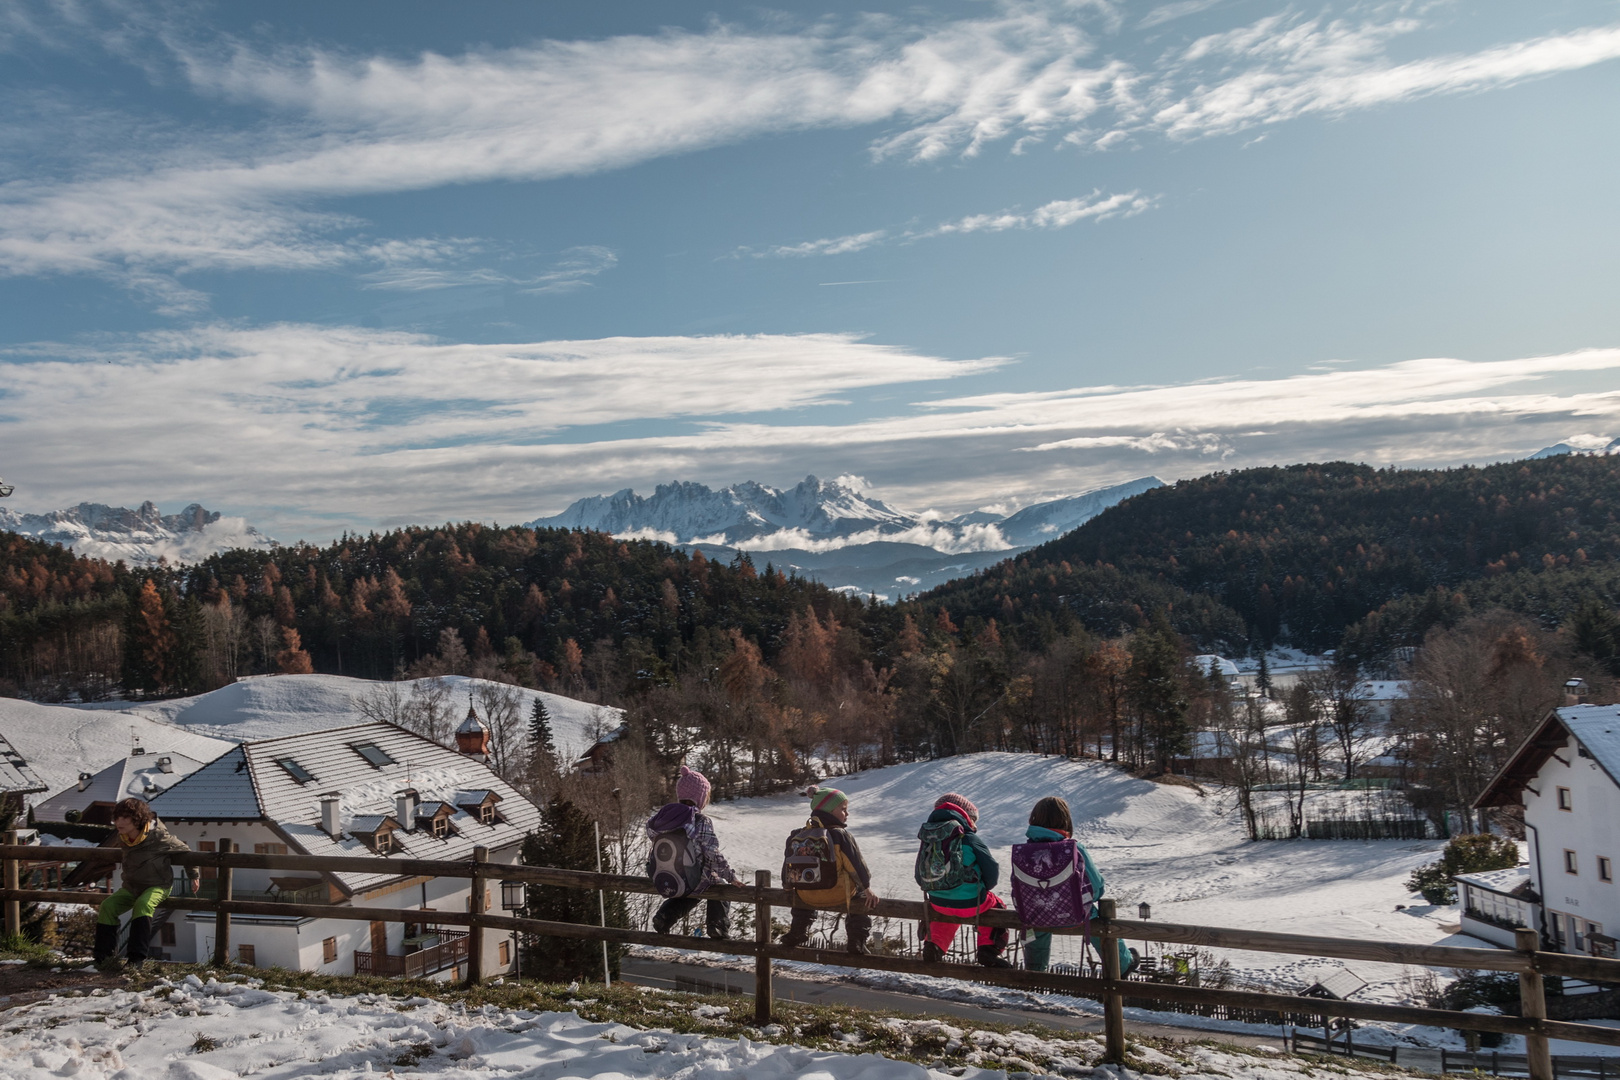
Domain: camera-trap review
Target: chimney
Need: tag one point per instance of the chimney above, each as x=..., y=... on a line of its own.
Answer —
x=405, y=804
x=84, y=780
x=166, y=764
x=331, y=822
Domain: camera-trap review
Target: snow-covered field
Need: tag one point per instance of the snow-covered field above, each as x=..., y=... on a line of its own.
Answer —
x=193, y=1030
x=1182, y=852
x=60, y=741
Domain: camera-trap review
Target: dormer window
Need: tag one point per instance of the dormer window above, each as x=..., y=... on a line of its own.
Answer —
x=486, y=814
x=382, y=841
x=376, y=831
x=375, y=755
x=295, y=770
x=480, y=804
x=441, y=828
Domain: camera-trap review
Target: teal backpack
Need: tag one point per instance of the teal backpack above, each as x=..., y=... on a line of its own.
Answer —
x=939, y=857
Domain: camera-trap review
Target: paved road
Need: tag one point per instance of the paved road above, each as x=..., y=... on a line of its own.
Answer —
x=719, y=980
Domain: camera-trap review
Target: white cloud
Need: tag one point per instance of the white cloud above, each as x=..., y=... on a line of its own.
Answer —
x=307, y=430
x=338, y=125
x=1058, y=214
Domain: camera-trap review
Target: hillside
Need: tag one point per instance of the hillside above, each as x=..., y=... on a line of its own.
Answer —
x=1299, y=553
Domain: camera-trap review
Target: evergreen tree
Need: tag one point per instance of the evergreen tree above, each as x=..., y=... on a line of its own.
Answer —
x=1153, y=685
x=1597, y=634
x=566, y=840
x=148, y=642
x=1262, y=678
x=542, y=750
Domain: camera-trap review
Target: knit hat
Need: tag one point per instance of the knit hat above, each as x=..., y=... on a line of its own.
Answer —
x=692, y=787
x=962, y=803
x=825, y=799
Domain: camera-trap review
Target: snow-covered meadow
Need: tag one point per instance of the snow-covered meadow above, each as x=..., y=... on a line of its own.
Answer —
x=221, y=1030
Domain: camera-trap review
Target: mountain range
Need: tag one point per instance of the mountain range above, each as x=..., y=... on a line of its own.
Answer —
x=830, y=530
x=140, y=537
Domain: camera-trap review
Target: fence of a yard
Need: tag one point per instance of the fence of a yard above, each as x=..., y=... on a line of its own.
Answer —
x=1528, y=961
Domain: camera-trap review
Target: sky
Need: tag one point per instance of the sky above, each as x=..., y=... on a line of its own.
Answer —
x=349, y=266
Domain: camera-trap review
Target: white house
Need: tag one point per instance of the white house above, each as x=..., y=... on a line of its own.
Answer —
x=1565, y=776
x=368, y=790
x=141, y=776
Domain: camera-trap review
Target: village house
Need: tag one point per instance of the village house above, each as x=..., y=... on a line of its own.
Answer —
x=17, y=779
x=1564, y=775
x=370, y=790
x=140, y=776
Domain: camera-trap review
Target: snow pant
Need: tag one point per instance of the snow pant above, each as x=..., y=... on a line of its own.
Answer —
x=141, y=906
x=717, y=915
x=1038, y=950
x=944, y=920
x=857, y=927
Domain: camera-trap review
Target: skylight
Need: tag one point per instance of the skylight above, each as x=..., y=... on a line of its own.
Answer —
x=373, y=753
x=295, y=770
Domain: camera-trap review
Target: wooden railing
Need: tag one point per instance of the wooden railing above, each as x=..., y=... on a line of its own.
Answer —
x=1529, y=962
x=420, y=964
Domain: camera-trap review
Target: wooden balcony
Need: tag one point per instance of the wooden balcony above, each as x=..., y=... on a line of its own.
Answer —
x=451, y=950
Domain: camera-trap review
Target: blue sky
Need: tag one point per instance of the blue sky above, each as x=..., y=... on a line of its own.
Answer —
x=356, y=265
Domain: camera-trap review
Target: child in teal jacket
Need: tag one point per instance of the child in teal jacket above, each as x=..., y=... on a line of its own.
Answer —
x=948, y=909
x=1049, y=822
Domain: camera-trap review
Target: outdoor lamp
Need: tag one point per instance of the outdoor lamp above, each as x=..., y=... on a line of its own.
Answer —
x=1144, y=911
x=512, y=895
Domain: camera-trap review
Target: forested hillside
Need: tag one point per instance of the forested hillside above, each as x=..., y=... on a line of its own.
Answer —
x=1298, y=554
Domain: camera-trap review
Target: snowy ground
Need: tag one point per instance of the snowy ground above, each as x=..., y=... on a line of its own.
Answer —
x=60, y=741
x=193, y=1030
x=1182, y=852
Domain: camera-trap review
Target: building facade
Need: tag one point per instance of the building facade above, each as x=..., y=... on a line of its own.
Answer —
x=1564, y=775
x=372, y=790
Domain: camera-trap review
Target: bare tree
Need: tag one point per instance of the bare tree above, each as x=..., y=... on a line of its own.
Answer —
x=502, y=708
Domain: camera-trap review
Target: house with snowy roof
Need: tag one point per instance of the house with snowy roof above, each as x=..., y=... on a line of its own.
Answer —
x=17, y=779
x=141, y=775
x=1566, y=775
x=372, y=790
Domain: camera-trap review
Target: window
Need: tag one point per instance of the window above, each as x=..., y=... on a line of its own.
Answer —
x=441, y=827
x=269, y=849
x=486, y=814
x=1605, y=868
x=373, y=754
x=295, y=770
x=329, y=951
x=244, y=955
x=1570, y=864
x=506, y=954
x=209, y=873
x=1565, y=800
x=1578, y=926
x=166, y=934
x=383, y=841
x=1559, y=937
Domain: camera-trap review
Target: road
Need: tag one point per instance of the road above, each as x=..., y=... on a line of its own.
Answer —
x=709, y=980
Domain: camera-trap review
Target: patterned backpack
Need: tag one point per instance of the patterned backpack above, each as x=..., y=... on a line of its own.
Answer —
x=1050, y=886
x=673, y=866
x=939, y=857
x=809, y=861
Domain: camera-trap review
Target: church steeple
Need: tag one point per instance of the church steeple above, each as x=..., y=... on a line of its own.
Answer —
x=472, y=737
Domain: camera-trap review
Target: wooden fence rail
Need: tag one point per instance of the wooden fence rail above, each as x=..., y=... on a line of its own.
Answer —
x=1528, y=962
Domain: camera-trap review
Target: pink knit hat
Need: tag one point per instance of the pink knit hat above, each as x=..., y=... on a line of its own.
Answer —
x=825, y=799
x=962, y=803
x=693, y=787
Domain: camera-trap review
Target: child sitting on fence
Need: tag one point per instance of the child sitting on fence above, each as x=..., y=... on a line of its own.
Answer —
x=824, y=868
x=685, y=858
x=957, y=872
x=148, y=876
x=1050, y=822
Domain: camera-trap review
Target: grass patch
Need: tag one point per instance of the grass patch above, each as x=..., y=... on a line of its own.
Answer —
x=36, y=955
x=204, y=1043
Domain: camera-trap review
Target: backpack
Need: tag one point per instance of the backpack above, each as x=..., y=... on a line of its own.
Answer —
x=939, y=857
x=1050, y=886
x=674, y=867
x=809, y=861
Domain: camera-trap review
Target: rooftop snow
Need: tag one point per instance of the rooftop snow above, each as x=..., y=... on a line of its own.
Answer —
x=1499, y=881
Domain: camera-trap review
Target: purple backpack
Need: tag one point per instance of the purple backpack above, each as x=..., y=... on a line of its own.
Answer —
x=1050, y=886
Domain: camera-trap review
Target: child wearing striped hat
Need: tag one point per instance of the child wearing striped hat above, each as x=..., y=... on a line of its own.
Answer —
x=851, y=889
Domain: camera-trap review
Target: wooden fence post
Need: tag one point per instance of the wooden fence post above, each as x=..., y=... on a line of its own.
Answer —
x=1113, y=1001
x=222, y=918
x=1533, y=1006
x=475, y=932
x=13, y=880
x=763, y=1002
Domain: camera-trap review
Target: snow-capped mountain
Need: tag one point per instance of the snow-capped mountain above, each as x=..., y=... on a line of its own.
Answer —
x=140, y=537
x=832, y=531
x=1583, y=445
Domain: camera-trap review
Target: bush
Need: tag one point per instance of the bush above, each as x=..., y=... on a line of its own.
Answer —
x=1463, y=855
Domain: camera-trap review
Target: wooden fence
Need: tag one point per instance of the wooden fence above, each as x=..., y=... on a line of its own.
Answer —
x=1527, y=961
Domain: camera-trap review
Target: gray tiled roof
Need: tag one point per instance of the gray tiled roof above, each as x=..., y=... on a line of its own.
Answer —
x=15, y=775
x=138, y=775
x=438, y=773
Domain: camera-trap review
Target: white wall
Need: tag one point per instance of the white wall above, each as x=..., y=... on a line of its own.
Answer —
x=1587, y=828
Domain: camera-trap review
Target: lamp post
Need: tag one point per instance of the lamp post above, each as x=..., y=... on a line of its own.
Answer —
x=1144, y=911
x=514, y=894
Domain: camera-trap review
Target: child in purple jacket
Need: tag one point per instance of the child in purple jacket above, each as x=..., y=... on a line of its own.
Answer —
x=686, y=813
